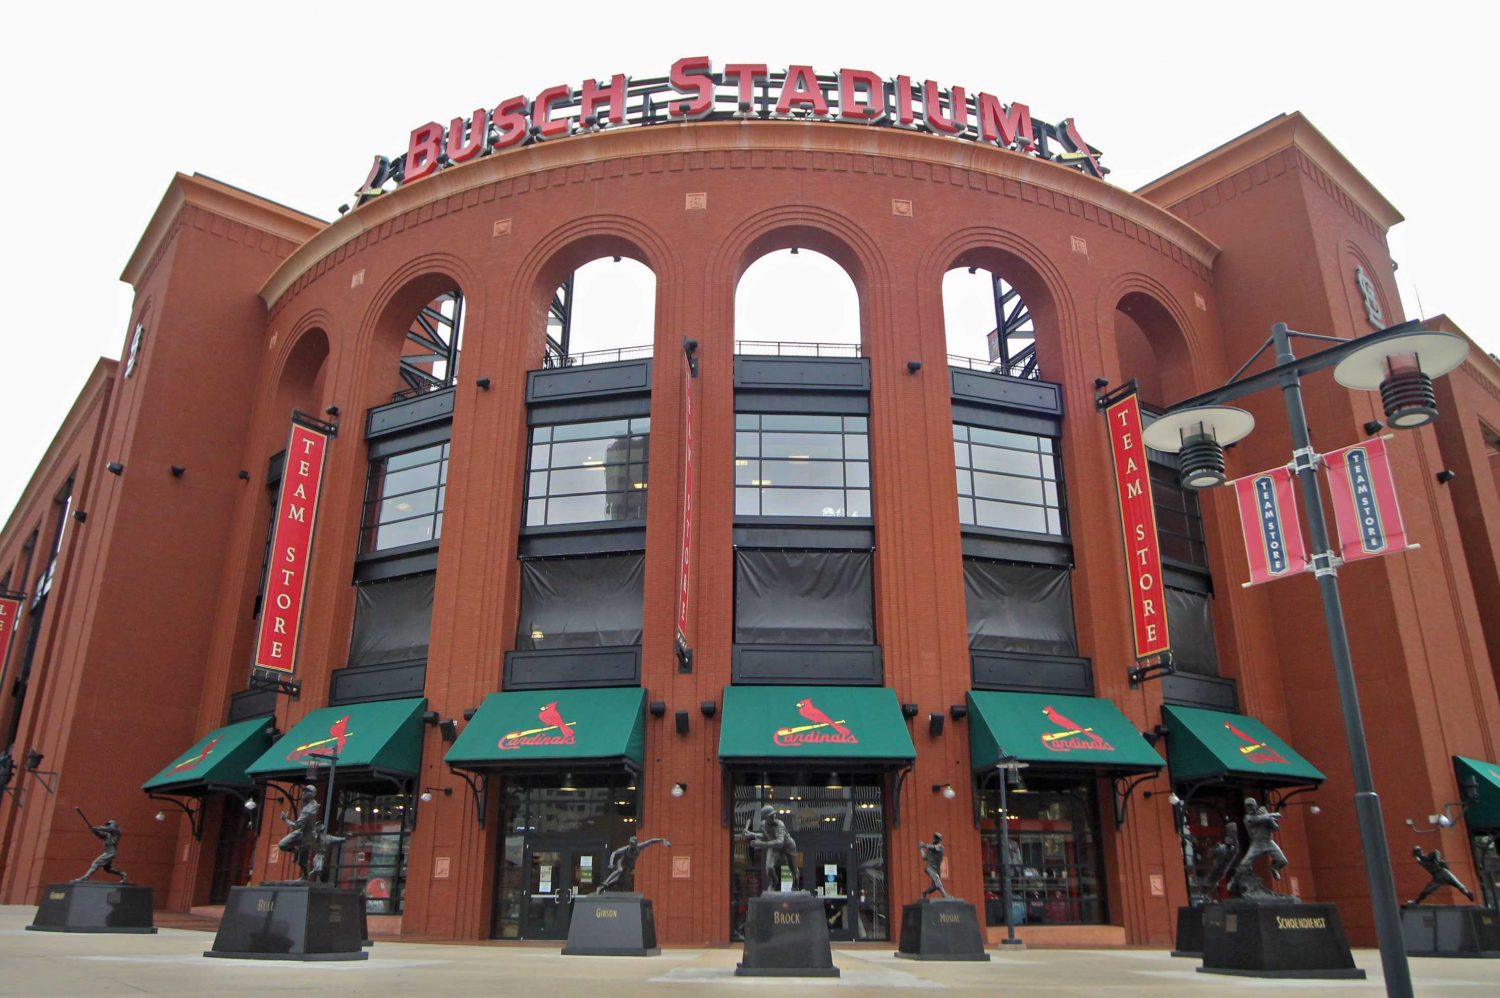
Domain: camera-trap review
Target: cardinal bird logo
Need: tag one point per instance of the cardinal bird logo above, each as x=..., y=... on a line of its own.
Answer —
x=555, y=730
x=338, y=737
x=1255, y=750
x=192, y=761
x=822, y=729
x=1070, y=736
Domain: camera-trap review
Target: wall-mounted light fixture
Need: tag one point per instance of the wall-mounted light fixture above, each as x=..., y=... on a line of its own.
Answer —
x=115, y=468
x=427, y=792
x=913, y=366
x=958, y=711
x=178, y=471
x=935, y=724
x=678, y=789
x=1446, y=475
x=658, y=708
x=1373, y=427
x=910, y=710
x=80, y=516
x=244, y=475
x=708, y=708
x=448, y=730
x=681, y=722
x=946, y=789
x=483, y=383
x=333, y=411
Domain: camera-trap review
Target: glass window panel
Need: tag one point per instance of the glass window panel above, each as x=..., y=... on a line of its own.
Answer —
x=443, y=472
x=541, y=456
x=573, y=480
x=1007, y=487
x=965, y=482
x=808, y=445
x=857, y=447
x=427, y=455
x=578, y=509
x=392, y=535
x=641, y=425
x=960, y=431
x=536, y=512
x=821, y=473
x=537, y=484
x=1045, y=445
x=1010, y=516
x=586, y=431
x=746, y=472
x=856, y=424
x=1008, y=461
x=747, y=502
x=747, y=444
x=1171, y=522
x=857, y=473
x=965, y=510
x=576, y=453
x=442, y=495
x=858, y=503
x=1054, y=522
x=541, y=434
x=410, y=480
x=798, y=421
x=961, y=455
x=802, y=502
x=406, y=506
x=1000, y=438
x=1049, y=493
x=746, y=421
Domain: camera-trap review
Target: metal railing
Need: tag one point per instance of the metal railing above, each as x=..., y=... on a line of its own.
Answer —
x=1018, y=369
x=553, y=359
x=774, y=348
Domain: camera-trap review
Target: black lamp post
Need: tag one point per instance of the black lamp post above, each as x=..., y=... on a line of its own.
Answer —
x=1008, y=769
x=1399, y=362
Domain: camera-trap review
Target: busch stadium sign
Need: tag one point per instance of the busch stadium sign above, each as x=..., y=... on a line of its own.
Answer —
x=694, y=91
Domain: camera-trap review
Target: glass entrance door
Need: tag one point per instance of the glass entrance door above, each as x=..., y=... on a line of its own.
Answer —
x=556, y=872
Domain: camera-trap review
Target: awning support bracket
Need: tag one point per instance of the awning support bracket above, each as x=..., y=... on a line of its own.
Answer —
x=195, y=814
x=901, y=776
x=1156, y=667
x=479, y=787
x=262, y=681
x=1124, y=788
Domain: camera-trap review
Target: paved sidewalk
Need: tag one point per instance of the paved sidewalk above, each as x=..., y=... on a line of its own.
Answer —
x=171, y=963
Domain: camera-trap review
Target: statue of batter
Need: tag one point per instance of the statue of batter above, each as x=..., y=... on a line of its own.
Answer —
x=1260, y=826
x=306, y=831
x=932, y=865
x=110, y=833
x=1437, y=867
x=622, y=862
x=780, y=849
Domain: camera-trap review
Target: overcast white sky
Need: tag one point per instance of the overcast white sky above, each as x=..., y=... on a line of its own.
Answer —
x=103, y=103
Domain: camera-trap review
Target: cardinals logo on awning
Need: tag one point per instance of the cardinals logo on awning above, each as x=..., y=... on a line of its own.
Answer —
x=554, y=730
x=823, y=730
x=1071, y=736
x=338, y=735
x=192, y=761
x=1256, y=751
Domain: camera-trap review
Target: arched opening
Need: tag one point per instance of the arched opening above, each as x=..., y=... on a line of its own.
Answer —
x=987, y=323
x=1152, y=349
x=603, y=311
x=798, y=302
x=300, y=385
x=417, y=341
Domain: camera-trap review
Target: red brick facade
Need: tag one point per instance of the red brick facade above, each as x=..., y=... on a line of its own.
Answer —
x=253, y=310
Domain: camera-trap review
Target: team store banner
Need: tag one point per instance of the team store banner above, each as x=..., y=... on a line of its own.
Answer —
x=1148, y=596
x=291, y=544
x=1269, y=524
x=10, y=612
x=1363, y=491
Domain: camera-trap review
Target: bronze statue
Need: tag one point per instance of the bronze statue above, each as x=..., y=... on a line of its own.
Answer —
x=110, y=833
x=1487, y=861
x=307, y=835
x=1437, y=867
x=932, y=865
x=780, y=849
x=1260, y=826
x=622, y=862
x=1220, y=861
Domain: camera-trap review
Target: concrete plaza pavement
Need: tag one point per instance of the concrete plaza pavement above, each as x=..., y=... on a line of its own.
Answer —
x=171, y=963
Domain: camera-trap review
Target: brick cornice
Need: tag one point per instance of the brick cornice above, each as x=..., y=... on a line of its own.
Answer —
x=1285, y=131
x=709, y=145
x=219, y=199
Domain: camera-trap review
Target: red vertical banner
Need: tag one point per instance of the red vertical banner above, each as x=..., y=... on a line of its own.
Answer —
x=1148, y=598
x=291, y=544
x=10, y=612
x=1269, y=525
x=685, y=566
x=1363, y=492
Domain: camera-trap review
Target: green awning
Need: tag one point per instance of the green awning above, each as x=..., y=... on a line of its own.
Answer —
x=538, y=727
x=813, y=722
x=1062, y=731
x=218, y=759
x=1484, y=812
x=1208, y=744
x=384, y=736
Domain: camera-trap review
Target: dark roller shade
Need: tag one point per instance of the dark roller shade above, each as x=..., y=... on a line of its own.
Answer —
x=1192, y=633
x=803, y=597
x=1024, y=608
x=392, y=620
x=581, y=602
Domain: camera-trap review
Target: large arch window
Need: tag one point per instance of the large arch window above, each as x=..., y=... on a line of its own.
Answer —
x=797, y=303
x=404, y=497
x=987, y=324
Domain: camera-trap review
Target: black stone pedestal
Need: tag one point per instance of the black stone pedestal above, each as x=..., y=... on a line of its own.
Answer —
x=941, y=929
x=1189, y=932
x=786, y=935
x=94, y=906
x=1451, y=930
x=290, y=922
x=1276, y=940
x=612, y=925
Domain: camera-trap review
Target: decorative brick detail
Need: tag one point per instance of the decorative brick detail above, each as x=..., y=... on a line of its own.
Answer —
x=1079, y=245
x=357, y=278
x=697, y=201
x=902, y=208
x=1199, y=301
x=501, y=228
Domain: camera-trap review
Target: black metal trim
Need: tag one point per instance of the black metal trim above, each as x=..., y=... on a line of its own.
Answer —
x=264, y=681
x=479, y=789
x=195, y=814
x=1124, y=788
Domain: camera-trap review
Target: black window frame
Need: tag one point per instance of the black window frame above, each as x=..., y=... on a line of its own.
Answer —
x=379, y=473
x=636, y=466
x=749, y=462
x=1047, y=450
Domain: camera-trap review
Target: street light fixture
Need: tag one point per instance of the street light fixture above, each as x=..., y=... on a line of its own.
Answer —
x=1199, y=437
x=1008, y=770
x=1399, y=362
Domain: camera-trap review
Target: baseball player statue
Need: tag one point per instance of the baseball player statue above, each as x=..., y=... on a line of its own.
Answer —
x=1437, y=868
x=779, y=847
x=932, y=865
x=110, y=833
x=622, y=862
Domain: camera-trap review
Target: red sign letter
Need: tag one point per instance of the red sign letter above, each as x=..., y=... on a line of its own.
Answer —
x=422, y=153
x=541, y=113
x=691, y=75
x=851, y=107
x=1009, y=127
x=612, y=95
x=801, y=87
x=510, y=122
x=747, y=74
x=460, y=151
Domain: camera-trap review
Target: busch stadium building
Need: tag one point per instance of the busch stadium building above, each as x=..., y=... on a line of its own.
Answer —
x=354, y=496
